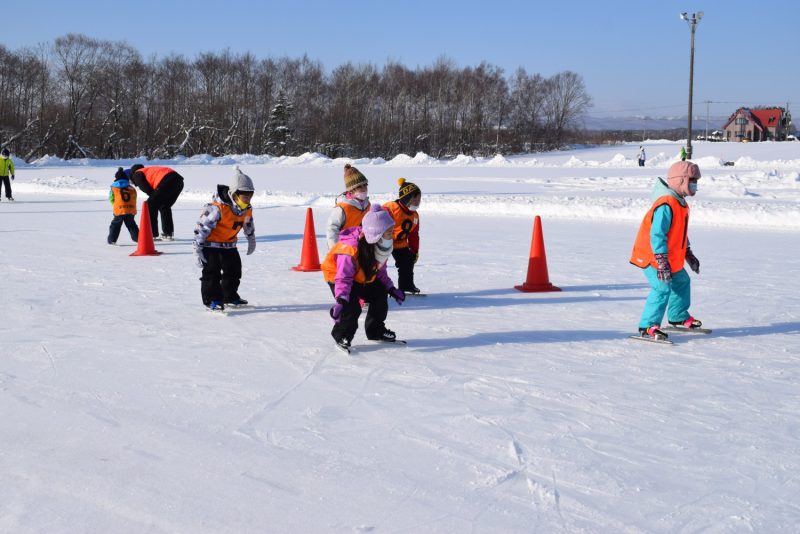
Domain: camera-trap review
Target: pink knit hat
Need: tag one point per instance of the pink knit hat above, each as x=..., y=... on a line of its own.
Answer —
x=679, y=174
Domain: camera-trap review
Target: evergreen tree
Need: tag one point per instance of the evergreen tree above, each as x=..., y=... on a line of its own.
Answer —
x=279, y=133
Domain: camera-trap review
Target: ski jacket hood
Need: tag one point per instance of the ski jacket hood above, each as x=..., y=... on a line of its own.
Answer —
x=223, y=195
x=350, y=236
x=661, y=189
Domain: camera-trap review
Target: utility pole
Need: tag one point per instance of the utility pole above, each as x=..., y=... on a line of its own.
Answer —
x=692, y=21
x=707, y=102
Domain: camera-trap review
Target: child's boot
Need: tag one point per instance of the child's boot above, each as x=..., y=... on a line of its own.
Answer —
x=653, y=332
x=688, y=324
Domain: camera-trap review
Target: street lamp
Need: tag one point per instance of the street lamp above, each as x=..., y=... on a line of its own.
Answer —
x=692, y=20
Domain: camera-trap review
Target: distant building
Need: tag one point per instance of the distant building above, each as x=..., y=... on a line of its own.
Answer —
x=764, y=124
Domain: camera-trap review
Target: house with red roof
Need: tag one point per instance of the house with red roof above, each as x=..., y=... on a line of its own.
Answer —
x=758, y=124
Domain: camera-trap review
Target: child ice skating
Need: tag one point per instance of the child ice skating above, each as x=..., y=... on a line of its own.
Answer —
x=406, y=233
x=215, y=237
x=661, y=250
x=355, y=268
x=349, y=211
x=6, y=172
x=123, y=199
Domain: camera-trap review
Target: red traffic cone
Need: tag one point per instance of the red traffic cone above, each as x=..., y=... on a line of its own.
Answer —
x=145, y=245
x=537, y=279
x=309, y=257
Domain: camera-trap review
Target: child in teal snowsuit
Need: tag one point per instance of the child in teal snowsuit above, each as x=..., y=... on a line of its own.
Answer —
x=662, y=248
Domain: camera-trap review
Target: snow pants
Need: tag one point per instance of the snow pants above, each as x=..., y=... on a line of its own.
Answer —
x=161, y=201
x=5, y=181
x=116, y=226
x=222, y=274
x=404, y=260
x=673, y=297
x=374, y=325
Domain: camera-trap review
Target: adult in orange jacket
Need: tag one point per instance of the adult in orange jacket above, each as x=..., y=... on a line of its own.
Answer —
x=662, y=248
x=163, y=186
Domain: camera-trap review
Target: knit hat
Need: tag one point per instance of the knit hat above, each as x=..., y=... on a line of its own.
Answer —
x=353, y=178
x=679, y=174
x=120, y=174
x=6, y=153
x=240, y=182
x=407, y=191
x=375, y=223
x=135, y=167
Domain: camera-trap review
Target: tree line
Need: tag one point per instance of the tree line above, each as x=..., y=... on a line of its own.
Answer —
x=81, y=97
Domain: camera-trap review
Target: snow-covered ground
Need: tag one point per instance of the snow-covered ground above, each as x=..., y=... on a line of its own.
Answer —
x=126, y=407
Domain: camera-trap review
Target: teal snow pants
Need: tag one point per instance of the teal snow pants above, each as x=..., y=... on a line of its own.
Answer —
x=673, y=297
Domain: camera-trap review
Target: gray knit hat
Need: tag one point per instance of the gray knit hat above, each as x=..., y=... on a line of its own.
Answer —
x=240, y=182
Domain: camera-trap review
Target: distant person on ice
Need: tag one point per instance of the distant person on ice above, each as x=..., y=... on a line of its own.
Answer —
x=6, y=172
x=642, y=156
x=123, y=201
x=662, y=248
x=163, y=186
x=355, y=268
x=215, y=242
x=682, y=153
x=405, y=249
x=352, y=208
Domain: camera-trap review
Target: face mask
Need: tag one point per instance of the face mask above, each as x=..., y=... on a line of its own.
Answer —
x=413, y=207
x=361, y=195
x=383, y=250
x=692, y=188
x=239, y=202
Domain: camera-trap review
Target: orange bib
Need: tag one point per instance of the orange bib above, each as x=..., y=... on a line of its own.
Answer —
x=677, y=238
x=329, y=265
x=229, y=224
x=124, y=200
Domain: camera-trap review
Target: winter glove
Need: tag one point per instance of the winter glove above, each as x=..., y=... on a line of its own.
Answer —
x=691, y=259
x=251, y=246
x=664, y=270
x=416, y=257
x=336, y=309
x=398, y=295
x=12, y=176
x=200, y=256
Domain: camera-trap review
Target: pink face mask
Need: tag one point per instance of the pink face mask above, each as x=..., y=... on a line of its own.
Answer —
x=360, y=195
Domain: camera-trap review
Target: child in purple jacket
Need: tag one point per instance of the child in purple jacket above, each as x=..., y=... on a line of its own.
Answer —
x=355, y=268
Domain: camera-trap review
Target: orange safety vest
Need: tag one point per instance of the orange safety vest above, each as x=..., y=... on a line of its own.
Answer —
x=352, y=215
x=229, y=224
x=329, y=265
x=405, y=222
x=677, y=238
x=154, y=175
x=124, y=200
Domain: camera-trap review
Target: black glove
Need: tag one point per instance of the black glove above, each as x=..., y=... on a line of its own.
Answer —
x=664, y=270
x=12, y=176
x=691, y=259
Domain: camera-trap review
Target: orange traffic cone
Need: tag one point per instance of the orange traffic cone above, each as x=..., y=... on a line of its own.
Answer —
x=309, y=257
x=145, y=245
x=537, y=279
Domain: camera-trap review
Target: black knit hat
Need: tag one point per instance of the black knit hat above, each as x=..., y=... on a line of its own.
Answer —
x=407, y=191
x=120, y=174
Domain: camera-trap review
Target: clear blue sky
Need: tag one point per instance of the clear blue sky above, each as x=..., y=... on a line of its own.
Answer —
x=632, y=54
